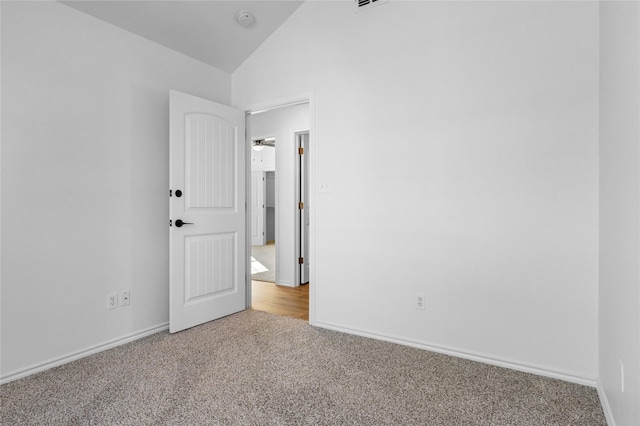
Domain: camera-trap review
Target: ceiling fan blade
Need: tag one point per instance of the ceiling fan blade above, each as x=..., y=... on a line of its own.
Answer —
x=264, y=142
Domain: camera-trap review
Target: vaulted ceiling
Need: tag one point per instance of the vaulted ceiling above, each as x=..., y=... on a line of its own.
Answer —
x=204, y=30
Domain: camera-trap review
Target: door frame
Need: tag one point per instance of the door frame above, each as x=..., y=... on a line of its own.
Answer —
x=263, y=184
x=298, y=172
x=309, y=98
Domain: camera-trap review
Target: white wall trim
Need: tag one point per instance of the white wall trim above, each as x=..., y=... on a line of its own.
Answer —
x=567, y=376
x=281, y=102
x=55, y=362
x=604, y=401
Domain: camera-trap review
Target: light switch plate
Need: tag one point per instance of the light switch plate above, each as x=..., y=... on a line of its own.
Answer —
x=325, y=188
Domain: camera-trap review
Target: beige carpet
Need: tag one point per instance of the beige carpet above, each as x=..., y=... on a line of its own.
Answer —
x=266, y=255
x=255, y=368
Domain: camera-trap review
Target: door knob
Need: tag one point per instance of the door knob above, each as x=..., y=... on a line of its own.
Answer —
x=179, y=223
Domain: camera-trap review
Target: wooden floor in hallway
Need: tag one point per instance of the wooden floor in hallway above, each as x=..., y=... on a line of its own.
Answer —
x=280, y=300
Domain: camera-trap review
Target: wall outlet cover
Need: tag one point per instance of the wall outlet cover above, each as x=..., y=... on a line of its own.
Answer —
x=112, y=300
x=420, y=302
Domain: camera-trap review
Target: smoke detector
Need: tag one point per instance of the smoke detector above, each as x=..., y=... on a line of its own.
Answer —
x=245, y=18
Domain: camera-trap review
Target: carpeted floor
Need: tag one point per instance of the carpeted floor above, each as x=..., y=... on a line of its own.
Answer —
x=254, y=368
x=266, y=255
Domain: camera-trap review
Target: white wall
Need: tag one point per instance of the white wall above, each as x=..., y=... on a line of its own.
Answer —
x=282, y=123
x=84, y=179
x=264, y=160
x=619, y=313
x=461, y=143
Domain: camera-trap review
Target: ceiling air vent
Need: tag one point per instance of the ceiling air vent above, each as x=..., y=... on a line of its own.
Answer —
x=366, y=4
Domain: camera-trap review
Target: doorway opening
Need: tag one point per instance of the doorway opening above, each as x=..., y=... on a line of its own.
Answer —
x=280, y=217
x=263, y=233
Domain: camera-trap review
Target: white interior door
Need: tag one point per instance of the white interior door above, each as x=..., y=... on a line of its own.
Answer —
x=207, y=252
x=258, y=210
x=303, y=186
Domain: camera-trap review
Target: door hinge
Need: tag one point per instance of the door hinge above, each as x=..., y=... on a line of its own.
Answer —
x=301, y=260
x=300, y=205
x=300, y=150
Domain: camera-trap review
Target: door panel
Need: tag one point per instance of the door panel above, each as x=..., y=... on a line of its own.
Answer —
x=210, y=162
x=208, y=266
x=207, y=253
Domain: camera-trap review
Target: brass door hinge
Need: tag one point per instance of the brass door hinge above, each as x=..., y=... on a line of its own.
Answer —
x=301, y=260
x=300, y=150
x=300, y=205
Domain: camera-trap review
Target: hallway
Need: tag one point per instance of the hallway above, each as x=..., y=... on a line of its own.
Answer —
x=280, y=300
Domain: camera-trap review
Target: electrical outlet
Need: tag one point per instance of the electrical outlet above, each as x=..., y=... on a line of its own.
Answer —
x=112, y=300
x=125, y=299
x=420, y=301
x=621, y=375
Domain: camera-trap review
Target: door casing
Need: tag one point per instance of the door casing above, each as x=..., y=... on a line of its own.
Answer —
x=258, y=217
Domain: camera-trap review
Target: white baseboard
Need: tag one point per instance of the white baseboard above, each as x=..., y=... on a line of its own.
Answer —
x=566, y=376
x=518, y=366
x=606, y=407
x=19, y=374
